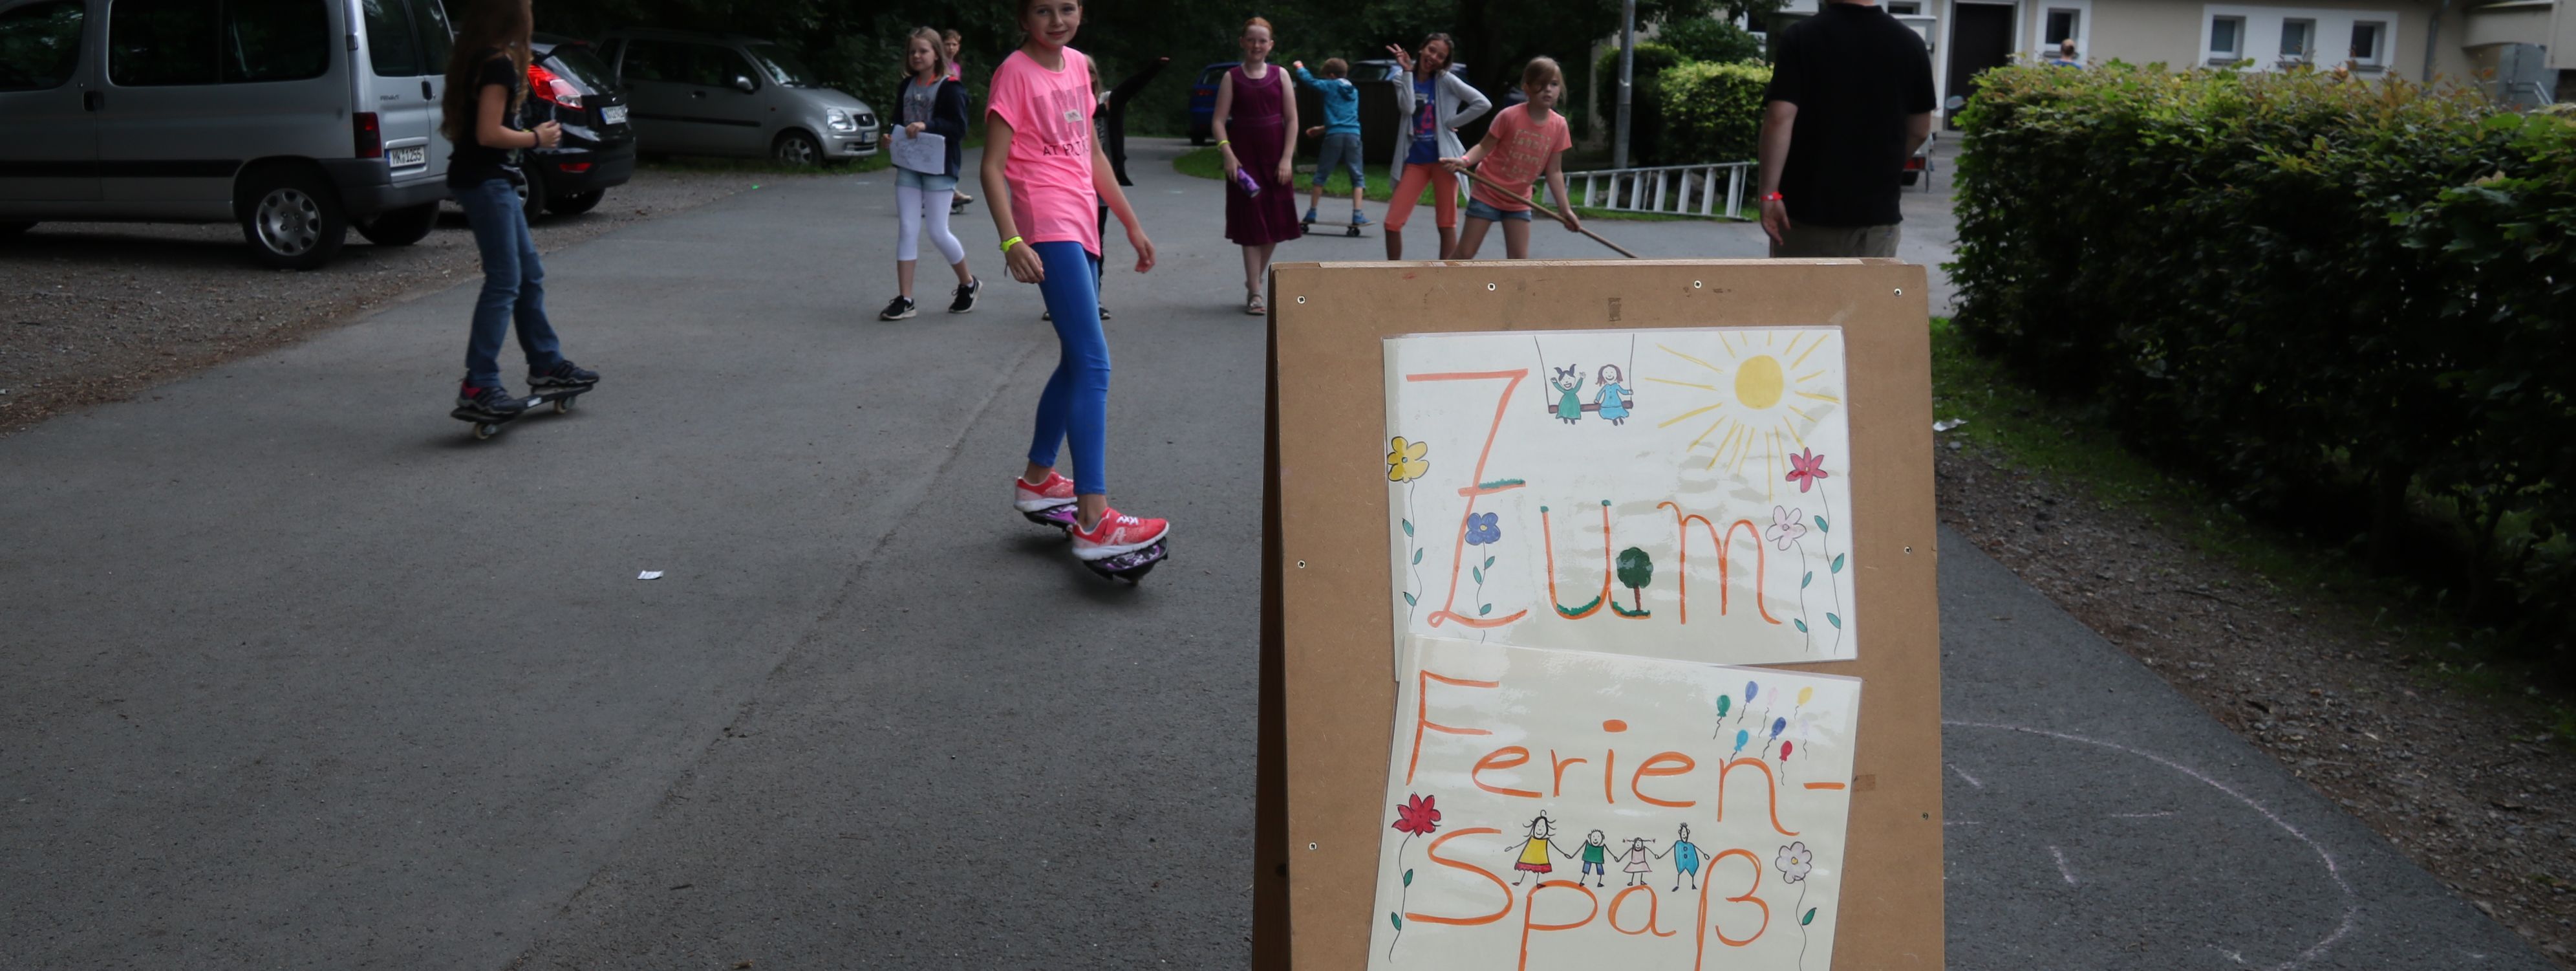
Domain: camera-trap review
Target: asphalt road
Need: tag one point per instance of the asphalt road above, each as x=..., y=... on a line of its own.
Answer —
x=295, y=674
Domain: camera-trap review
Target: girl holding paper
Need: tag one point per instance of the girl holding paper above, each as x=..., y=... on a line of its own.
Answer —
x=934, y=108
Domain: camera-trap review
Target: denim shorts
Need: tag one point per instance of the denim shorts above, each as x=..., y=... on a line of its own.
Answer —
x=1477, y=209
x=1340, y=152
x=909, y=179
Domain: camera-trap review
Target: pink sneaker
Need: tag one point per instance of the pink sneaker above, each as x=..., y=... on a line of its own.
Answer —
x=1048, y=503
x=1117, y=534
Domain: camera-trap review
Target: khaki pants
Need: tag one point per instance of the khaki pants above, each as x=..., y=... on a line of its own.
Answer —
x=1826, y=241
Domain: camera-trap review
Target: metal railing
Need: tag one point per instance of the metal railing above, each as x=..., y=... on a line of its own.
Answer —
x=1715, y=189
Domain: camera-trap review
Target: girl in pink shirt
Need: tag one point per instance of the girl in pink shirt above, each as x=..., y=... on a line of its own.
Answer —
x=1043, y=171
x=1521, y=145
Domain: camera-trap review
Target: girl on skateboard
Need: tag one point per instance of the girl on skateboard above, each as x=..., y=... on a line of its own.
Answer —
x=934, y=105
x=1043, y=170
x=486, y=80
x=1256, y=125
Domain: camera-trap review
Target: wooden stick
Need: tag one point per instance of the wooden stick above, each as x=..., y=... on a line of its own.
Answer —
x=1551, y=213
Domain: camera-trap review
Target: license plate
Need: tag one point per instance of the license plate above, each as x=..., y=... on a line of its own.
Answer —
x=403, y=158
x=612, y=114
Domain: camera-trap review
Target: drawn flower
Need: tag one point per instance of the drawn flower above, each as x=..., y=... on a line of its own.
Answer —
x=1794, y=861
x=1404, y=460
x=1417, y=816
x=1805, y=468
x=1785, y=529
x=1481, y=529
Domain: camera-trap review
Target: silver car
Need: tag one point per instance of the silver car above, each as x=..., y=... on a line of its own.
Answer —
x=723, y=94
x=298, y=119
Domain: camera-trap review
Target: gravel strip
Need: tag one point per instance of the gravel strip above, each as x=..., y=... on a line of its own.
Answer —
x=95, y=312
x=2467, y=787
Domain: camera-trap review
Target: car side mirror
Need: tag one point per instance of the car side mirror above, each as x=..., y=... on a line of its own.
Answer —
x=742, y=83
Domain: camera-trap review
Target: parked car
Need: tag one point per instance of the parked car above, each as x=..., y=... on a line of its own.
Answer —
x=569, y=86
x=1203, y=102
x=726, y=94
x=298, y=119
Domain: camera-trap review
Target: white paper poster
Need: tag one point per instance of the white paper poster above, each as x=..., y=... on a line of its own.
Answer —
x=1665, y=493
x=1567, y=809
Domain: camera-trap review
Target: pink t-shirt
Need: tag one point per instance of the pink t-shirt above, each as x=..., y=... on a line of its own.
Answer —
x=1521, y=150
x=1049, y=168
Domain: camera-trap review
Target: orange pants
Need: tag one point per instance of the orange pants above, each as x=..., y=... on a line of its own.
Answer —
x=1408, y=187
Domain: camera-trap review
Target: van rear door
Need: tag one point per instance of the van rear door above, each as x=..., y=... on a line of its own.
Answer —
x=51, y=155
x=405, y=60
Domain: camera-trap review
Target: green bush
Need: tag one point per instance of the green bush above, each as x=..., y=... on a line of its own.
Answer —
x=1712, y=112
x=1645, y=102
x=1711, y=39
x=2346, y=302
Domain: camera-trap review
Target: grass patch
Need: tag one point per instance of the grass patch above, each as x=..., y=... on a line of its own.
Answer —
x=1208, y=163
x=2073, y=444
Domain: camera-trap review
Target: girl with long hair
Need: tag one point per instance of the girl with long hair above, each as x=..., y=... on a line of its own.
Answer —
x=931, y=103
x=1256, y=114
x=487, y=79
x=1435, y=103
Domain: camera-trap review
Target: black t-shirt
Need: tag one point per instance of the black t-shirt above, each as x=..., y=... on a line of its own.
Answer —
x=474, y=163
x=1855, y=73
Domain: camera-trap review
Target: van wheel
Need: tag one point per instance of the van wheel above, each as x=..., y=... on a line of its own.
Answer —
x=293, y=219
x=11, y=230
x=797, y=150
x=401, y=227
x=577, y=203
x=532, y=196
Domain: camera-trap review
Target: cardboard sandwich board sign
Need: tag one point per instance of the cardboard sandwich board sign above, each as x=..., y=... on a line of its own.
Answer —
x=1576, y=575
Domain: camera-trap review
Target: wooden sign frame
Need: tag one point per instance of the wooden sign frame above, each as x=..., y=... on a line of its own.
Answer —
x=1327, y=691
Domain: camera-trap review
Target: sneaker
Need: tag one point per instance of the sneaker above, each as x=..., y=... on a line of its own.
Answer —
x=1054, y=492
x=966, y=293
x=565, y=374
x=1104, y=313
x=1047, y=315
x=1117, y=533
x=490, y=403
x=1310, y=215
x=897, y=309
x=1358, y=219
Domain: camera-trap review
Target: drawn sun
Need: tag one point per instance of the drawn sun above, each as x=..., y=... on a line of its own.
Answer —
x=1768, y=397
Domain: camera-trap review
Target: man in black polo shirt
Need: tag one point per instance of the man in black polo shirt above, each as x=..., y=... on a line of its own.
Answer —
x=1850, y=99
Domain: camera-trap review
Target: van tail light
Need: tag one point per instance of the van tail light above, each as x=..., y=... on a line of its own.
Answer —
x=551, y=88
x=370, y=135
x=575, y=168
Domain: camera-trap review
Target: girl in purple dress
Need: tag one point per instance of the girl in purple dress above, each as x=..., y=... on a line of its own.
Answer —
x=1255, y=112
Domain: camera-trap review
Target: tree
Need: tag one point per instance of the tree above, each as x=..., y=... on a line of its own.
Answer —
x=1711, y=39
x=1636, y=572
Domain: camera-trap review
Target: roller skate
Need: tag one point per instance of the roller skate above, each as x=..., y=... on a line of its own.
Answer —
x=1122, y=546
x=1048, y=503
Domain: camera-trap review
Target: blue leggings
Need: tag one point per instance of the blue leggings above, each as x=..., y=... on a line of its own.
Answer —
x=1075, y=405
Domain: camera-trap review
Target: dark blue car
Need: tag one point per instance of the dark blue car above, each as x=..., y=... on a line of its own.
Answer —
x=1203, y=102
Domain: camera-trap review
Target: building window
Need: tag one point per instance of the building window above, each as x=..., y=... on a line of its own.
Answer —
x=2062, y=25
x=2368, y=38
x=2298, y=39
x=2226, y=38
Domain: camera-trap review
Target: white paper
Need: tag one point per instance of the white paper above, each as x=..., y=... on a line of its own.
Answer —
x=925, y=153
x=1719, y=796
x=1664, y=493
x=649, y=575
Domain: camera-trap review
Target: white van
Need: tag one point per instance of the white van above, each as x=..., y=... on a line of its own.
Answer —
x=298, y=119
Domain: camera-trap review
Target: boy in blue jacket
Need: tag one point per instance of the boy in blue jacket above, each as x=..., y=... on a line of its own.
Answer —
x=1341, y=131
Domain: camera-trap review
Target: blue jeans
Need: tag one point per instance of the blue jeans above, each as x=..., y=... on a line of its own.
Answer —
x=1074, y=408
x=514, y=285
x=1340, y=152
x=924, y=181
x=1479, y=209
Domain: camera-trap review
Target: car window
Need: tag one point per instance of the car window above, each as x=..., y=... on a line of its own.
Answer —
x=40, y=45
x=437, y=39
x=1208, y=78
x=275, y=40
x=392, y=49
x=712, y=66
x=578, y=61
x=157, y=42
x=780, y=65
x=653, y=60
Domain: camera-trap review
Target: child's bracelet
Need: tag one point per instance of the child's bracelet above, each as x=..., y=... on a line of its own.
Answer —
x=1223, y=142
x=1008, y=243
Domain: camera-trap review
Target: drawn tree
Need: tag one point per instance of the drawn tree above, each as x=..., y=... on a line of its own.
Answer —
x=1636, y=572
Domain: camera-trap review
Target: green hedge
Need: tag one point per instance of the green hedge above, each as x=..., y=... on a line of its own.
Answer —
x=1712, y=112
x=1645, y=103
x=2346, y=302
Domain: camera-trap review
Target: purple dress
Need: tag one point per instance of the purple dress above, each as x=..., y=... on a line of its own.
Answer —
x=1259, y=134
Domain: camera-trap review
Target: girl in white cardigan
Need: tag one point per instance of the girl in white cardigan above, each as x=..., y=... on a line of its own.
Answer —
x=1435, y=105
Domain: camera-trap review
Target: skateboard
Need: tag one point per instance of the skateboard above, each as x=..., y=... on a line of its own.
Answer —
x=1130, y=566
x=1350, y=230
x=486, y=426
